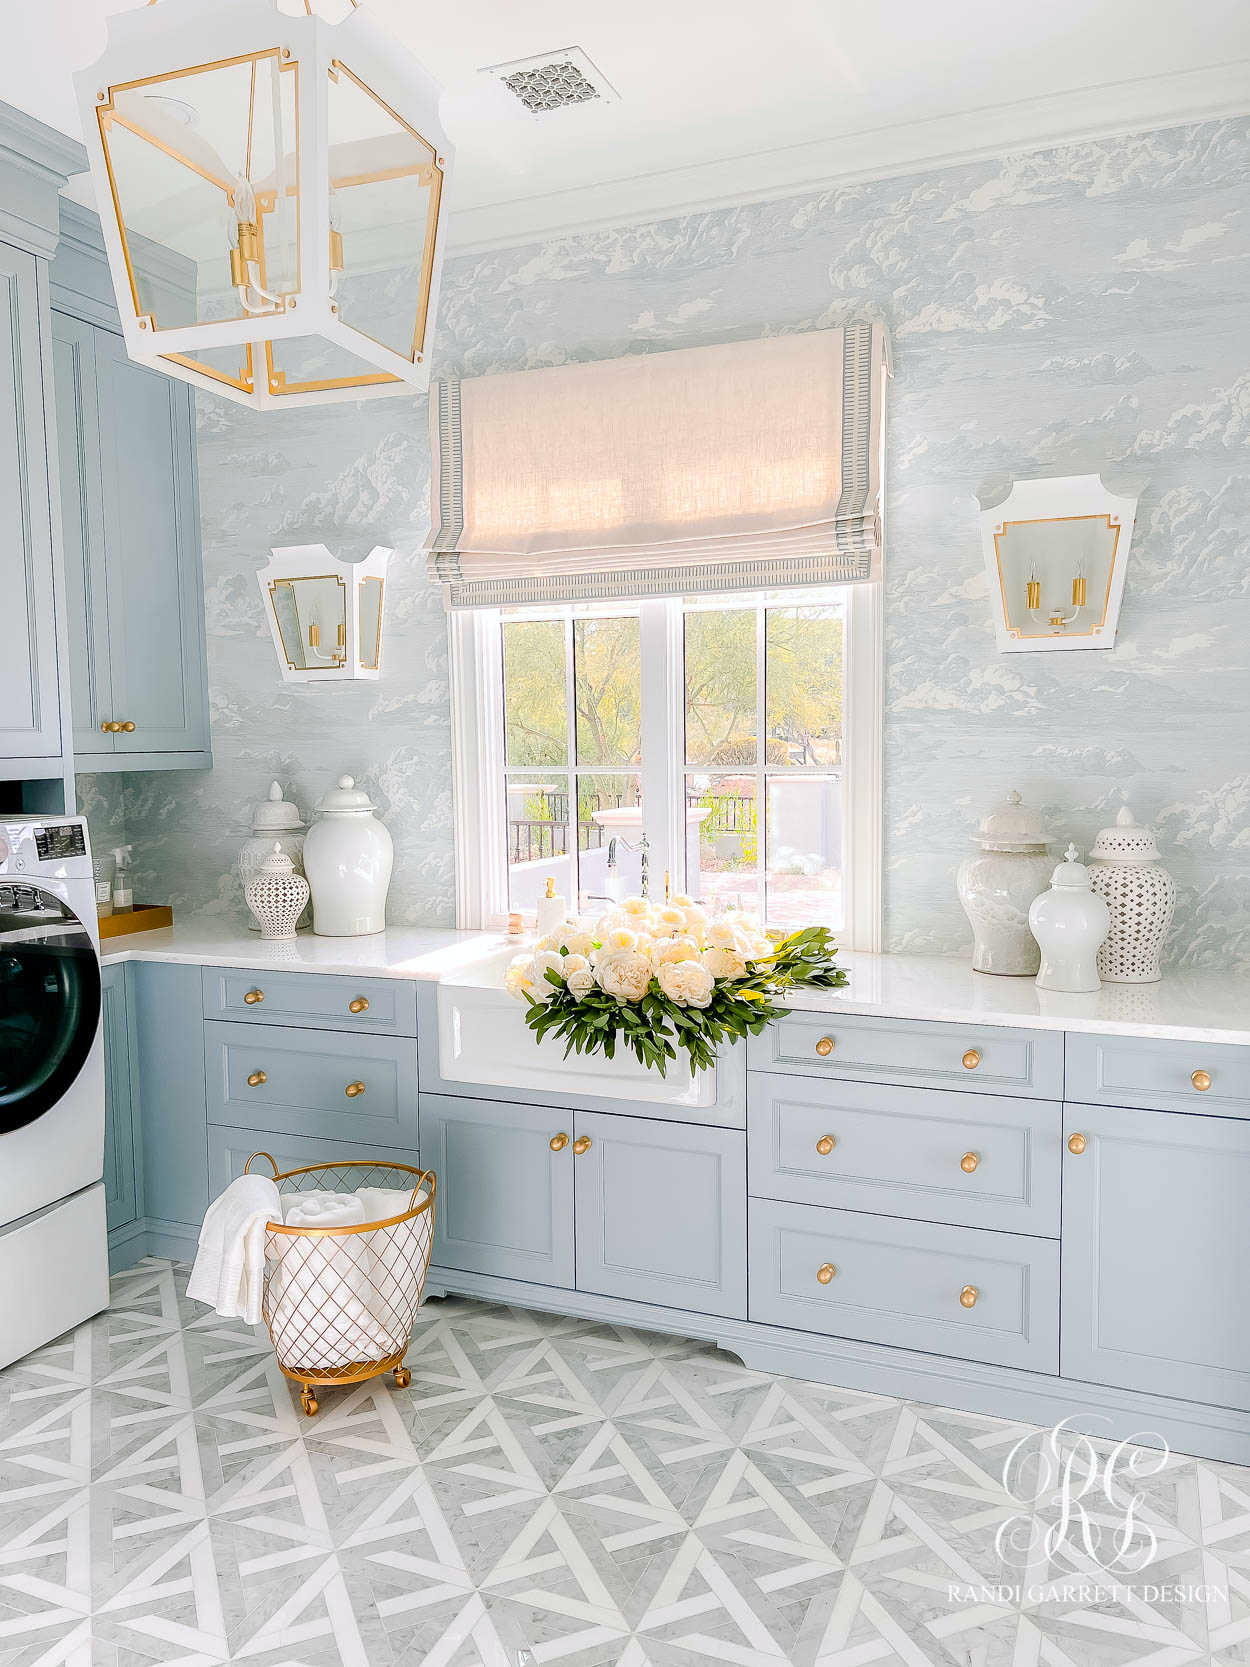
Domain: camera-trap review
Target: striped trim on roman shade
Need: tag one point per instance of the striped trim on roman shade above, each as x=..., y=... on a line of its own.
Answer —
x=743, y=466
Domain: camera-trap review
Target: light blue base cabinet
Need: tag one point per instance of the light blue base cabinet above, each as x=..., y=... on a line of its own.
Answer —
x=909, y=1231
x=123, y=1160
x=1156, y=1253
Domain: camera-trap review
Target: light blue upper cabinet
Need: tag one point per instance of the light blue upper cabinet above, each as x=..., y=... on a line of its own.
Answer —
x=130, y=516
x=30, y=718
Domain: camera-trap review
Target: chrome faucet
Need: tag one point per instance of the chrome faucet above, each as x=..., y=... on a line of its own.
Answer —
x=643, y=847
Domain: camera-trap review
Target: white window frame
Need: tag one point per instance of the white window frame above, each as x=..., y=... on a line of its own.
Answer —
x=476, y=672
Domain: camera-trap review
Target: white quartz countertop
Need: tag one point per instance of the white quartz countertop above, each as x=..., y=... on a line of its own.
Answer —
x=1185, y=1006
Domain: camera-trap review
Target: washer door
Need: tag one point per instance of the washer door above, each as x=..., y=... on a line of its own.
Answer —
x=49, y=1001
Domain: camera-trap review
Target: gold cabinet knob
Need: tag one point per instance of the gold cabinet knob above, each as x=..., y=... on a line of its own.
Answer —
x=1076, y=1144
x=1201, y=1081
x=825, y=1272
x=972, y=1059
x=359, y=1005
x=253, y=997
x=581, y=1145
x=825, y=1145
x=968, y=1163
x=354, y=1090
x=127, y=728
x=256, y=1079
x=106, y=727
x=558, y=1142
x=968, y=1296
x=825, y=1046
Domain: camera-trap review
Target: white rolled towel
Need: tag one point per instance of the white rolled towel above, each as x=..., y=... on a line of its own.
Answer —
x=397, y=1253
x=229, y=1266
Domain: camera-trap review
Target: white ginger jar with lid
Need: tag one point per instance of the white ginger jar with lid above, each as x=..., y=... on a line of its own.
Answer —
x=1126, y=872
x=1069, y=922
x=273, y=819
x=348, y=856
x=997, y=885
x=277, y=895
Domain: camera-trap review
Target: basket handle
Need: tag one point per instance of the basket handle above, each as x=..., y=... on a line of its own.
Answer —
x=427, y=1179
x=247, y=1167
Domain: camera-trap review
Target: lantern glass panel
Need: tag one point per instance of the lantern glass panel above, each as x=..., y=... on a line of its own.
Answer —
x=385, y=186
x=369, y=597
x=204, y=162
x=312, y=617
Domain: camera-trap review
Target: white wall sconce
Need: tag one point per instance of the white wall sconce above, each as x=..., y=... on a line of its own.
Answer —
x=272, y=191
x=1056, y=553
x=325, y=616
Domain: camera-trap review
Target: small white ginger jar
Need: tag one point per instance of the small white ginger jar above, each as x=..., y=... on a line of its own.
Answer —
x=997, y=885
x=277, y=895
x=1125, y=870
x=1069, y=922
x=274, y=818
x=347, y=857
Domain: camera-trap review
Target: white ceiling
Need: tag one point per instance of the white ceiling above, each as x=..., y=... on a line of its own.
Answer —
x=726, y=99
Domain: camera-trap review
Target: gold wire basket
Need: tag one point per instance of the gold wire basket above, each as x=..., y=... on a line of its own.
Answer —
x=339, y=1302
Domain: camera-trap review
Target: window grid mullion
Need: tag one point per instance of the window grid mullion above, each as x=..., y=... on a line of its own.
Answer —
x=570, y=719
x=761, y=757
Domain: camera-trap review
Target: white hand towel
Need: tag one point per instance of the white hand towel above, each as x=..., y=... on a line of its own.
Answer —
x=321, y=1300
x=384, y=1203
x=323, y=1209
x=229, y=1271
x=398, y=1255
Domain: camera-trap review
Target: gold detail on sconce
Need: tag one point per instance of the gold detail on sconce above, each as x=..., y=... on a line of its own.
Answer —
x=825, y=1272
x=825, y=1046
x=257, y=1079
x=342, y=635
x=1201, y=1081
x=825, y=1145
x=314, y=636
x=336, y=250
x=1034, y=593
x=581, y=1145
x=558, y=1142
x=1078, y=592
x=968, y=1296
x=969, y=1162
x=354, y=1090
x=253, y=996
x=359, y=1005
x=1076, y=1144
x=972, y=1059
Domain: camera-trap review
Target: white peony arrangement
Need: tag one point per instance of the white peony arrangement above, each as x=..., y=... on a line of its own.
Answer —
x=655, y=977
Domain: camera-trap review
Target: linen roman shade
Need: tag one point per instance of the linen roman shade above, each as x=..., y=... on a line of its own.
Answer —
x=746, y=465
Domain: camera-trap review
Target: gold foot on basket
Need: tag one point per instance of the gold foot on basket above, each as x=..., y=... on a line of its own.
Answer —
x=403, y=1377
x=310, y=1403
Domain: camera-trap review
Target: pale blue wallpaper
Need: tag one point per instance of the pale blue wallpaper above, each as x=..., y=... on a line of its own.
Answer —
x=1051, y=313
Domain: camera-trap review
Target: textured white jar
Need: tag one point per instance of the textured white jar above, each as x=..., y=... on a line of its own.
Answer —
x=273, y=818
x=1069, y=922
x=1126, y=872
x=347, y=857
x=277, y=895
x=997, y=885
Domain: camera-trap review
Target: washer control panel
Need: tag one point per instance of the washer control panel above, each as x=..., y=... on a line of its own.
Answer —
x=60, y=841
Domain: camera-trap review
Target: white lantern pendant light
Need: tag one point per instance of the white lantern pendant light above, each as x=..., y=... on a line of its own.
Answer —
x=272, y=193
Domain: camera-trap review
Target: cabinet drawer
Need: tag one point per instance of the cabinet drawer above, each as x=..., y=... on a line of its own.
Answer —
x=287, y=1080
x=901, y=1152
x=900, y=1282
x=314, y=999
x=985, y=1059
x=229, y=1150
x=1141, y=1071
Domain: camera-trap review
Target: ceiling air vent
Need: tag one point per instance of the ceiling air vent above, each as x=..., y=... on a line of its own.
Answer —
x=554, y=81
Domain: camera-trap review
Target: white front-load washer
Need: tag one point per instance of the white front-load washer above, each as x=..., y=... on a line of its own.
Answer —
x=53, y=1239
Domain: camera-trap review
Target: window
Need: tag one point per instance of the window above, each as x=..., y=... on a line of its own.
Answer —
x=738, y=734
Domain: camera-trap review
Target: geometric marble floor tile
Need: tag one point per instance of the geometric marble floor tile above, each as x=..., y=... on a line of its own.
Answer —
x=591, y=1495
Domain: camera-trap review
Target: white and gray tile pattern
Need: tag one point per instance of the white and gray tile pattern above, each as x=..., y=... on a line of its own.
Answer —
x=596, y=1496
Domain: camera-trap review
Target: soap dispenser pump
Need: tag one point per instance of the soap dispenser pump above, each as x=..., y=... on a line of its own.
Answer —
x=552, y=910
x=123, y=897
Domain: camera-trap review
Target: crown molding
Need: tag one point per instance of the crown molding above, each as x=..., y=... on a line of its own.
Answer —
x=35, y=161
x=1098, y=112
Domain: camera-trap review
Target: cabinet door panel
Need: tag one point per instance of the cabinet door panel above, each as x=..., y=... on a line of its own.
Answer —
x=30, y=720
x=505, y=1199
x=121, y=1192
x=82, y=533
x=661, y=1213
x=229, y=1150
x=1156, y=1253
x=154, y=572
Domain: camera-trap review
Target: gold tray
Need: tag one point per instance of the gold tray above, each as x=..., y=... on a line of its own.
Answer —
x=144, y=917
